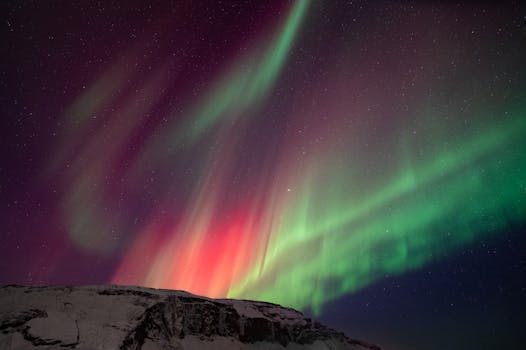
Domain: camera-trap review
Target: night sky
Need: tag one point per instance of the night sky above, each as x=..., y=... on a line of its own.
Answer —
x=364, y=162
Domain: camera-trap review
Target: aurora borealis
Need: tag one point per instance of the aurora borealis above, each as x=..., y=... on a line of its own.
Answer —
x=296, y=152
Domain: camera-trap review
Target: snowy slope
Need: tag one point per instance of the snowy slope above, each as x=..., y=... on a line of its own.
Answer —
x=116, y=317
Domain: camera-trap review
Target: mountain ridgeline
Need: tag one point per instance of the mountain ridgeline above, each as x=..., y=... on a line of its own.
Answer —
x=133, y=318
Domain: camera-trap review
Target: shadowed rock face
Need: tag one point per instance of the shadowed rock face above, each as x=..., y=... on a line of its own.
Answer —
x=111, y=317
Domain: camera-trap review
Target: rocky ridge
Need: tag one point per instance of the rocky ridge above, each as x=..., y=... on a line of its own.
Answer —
x=126, y=318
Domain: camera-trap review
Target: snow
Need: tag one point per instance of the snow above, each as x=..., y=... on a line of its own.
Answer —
x=109, y=317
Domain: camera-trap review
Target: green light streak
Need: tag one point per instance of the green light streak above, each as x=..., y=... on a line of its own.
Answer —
x=248, y=83
x=275, y=57
x=241, y=88
x=344, y=239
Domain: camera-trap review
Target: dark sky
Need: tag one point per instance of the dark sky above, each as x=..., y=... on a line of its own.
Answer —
x=362, y=161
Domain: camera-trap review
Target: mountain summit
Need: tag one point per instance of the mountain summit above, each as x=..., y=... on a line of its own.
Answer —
x=126, y=318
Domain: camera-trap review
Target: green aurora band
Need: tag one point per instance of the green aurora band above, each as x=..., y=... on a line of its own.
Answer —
x=335, y=239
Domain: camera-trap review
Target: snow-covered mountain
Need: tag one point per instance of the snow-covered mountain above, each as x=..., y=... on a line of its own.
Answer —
x=126, y=318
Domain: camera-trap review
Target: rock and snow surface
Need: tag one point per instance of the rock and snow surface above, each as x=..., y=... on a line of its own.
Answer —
x=126, y=318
